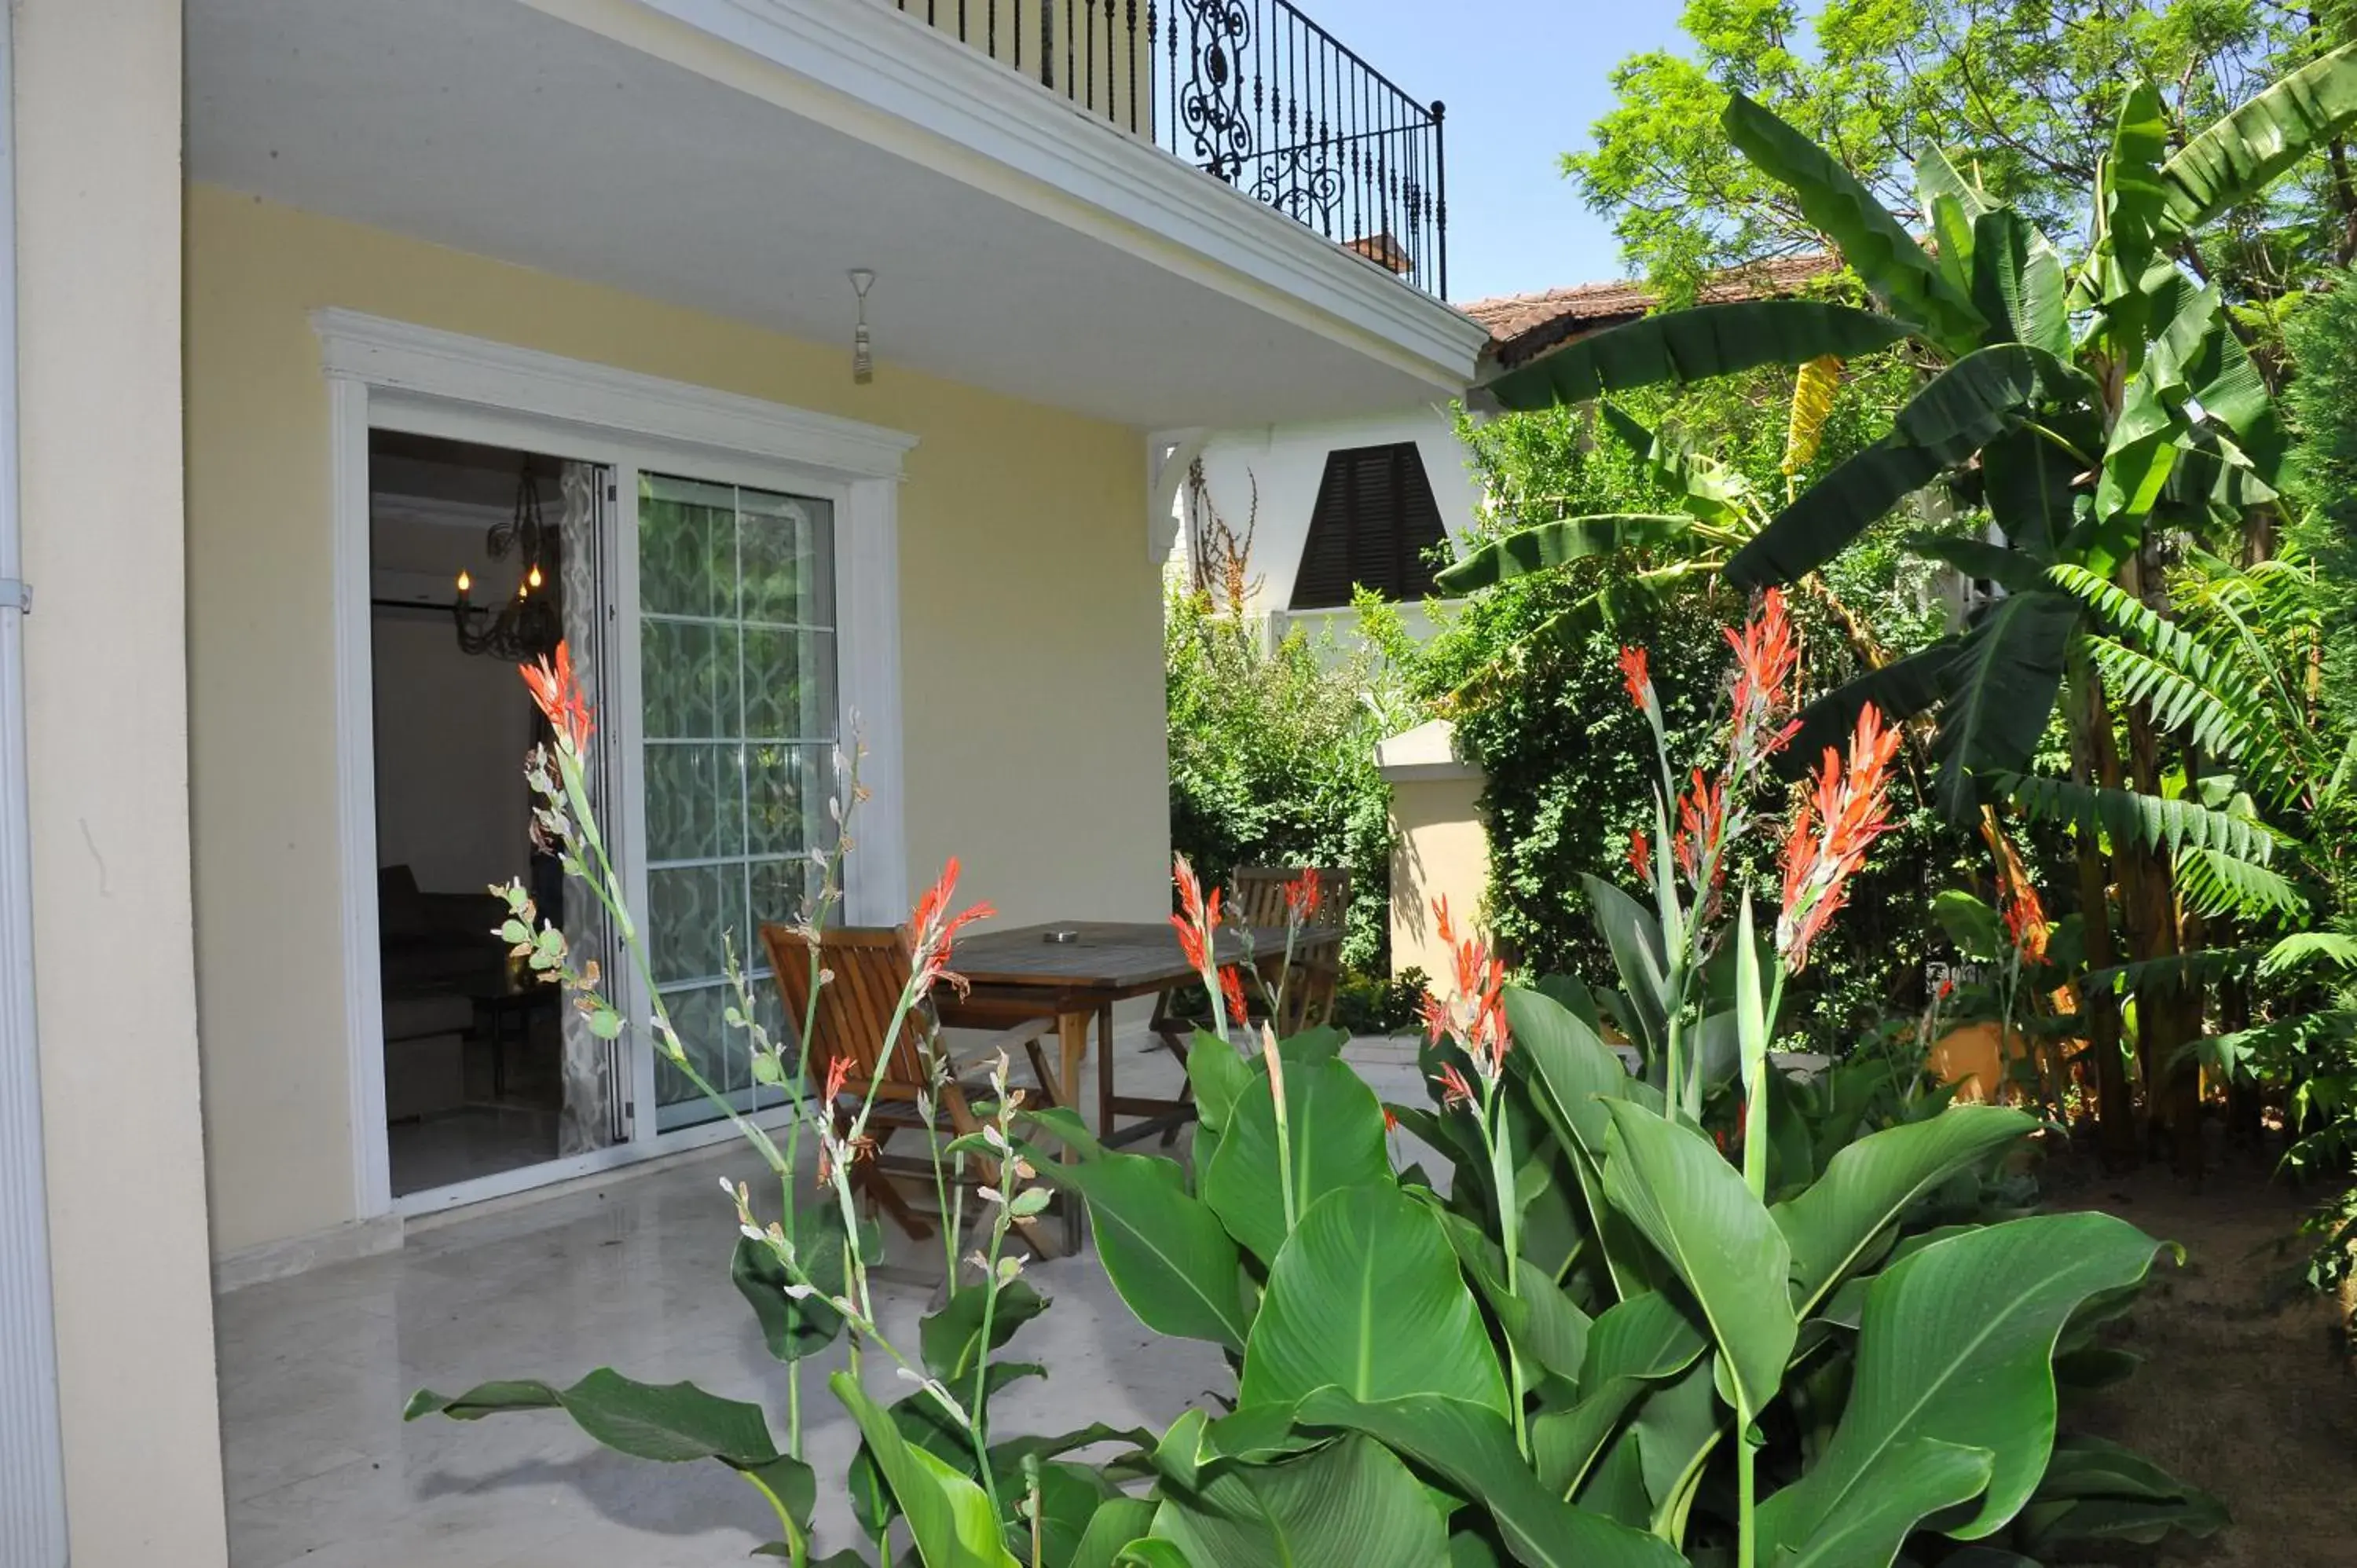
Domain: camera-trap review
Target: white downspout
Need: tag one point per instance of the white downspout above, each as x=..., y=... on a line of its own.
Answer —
x=32, y=1471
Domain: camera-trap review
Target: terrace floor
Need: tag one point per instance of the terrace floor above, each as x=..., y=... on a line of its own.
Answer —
x=314, y=1372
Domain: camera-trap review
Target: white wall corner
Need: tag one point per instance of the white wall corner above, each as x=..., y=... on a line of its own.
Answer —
x=1422, y=755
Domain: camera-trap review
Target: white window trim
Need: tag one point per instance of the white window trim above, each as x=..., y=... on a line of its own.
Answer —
x=391, y=374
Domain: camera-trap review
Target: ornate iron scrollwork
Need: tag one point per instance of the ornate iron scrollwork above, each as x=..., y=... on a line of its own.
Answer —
x=1211, y=102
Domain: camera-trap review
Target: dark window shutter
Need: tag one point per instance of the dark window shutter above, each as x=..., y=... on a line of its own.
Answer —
x=1373, y=523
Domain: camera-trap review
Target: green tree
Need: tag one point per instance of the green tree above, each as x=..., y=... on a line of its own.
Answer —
x=2022, y=93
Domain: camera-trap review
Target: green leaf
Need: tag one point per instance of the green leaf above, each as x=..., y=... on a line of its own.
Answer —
x=2213, y=883
x=1219, y=1076
x=2127, y=817
x=2028, y=483
x=1976, y=930
x=2135, y=200
x=950, y=1340
x=2240, y=156
x=1691, y=345
x=1116, y=1523
x=1348, y=1505
x=1635, y=939
x=1964, y=408
x=1694, y=1208
x=923, y=1423
x=1547, y=545
x=2095, y=1490
x=1868, y=1185
x=1164, y=1249
x=1472, y=1449
x=1901, y=689
x=1545, y=1325
x=1707, y=488
x=1876, y=245
x=2015, y=570
x=1957, y=1346
x=1337, y=1132
x=948, y=1515
x=2017, y=282
x=1632, y=1347
x=1919, y=1479
x=1365, y=1296
x=484, y=1399
x=1577, y=1069
x=2007, y=675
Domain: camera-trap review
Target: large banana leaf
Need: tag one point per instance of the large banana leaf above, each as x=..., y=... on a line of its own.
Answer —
x=1876, y=245
x=2238, y=156
x=1366, y=1297
x=1866, y=1187
x=1691, y=345
x=1960, y=410
x=2017, y=282
x=1956, y=1347
x=1545, y=545
x=1336, y=1130
x=1165, y=1250
x=1694, y=1208
x=2030, y=483
x=2134, y=198
x=2008, y=674
x=1472, y=1449
x=1901, y=689
x=1348, y=1505
x=1712, y=491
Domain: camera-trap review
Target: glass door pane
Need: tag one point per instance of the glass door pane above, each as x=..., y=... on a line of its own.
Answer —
x=737, y=650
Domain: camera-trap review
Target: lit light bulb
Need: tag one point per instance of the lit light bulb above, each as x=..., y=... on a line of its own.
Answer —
x=534, y=578
x=465, y=583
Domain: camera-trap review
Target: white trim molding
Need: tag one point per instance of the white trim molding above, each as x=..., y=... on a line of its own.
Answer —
x=864, y=68
x=395, y=356
x=386, y=374
x=1422, y=755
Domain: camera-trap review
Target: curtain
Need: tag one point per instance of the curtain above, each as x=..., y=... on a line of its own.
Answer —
x=587, y=1118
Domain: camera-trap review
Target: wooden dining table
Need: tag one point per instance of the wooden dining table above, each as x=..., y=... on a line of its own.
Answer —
x=1081, y=969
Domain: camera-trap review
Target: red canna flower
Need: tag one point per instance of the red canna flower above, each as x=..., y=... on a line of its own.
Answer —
x=1475, y=1013
x=1391, y=1120
x=2025, y=915
x=1637, y=680
x=1702, y=822
x=1198, y=916
x=1301, y=896
x=838, y=1073
x=1436, y=1017
x=1640, y=856
x=559, y=696
x=1454, y=1091
x=1231, y=987
x=1832, y=830
x=932, y=929
x=1765, y=659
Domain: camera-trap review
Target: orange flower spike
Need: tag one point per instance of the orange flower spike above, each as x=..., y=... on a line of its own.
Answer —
x=1231, y=987
x=1440, y=921
x=1189, y=922
x=1436, y=1017
x=838, y=1073
x=1851, y=807
x=1454, y=1091
x=1637, y=679
x=1640, y=856
x=559, y=695
x=1301, y=896
x=1765, y=658
x=934, y=930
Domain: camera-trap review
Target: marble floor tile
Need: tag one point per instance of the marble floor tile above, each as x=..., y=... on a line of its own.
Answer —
x=321, y=1471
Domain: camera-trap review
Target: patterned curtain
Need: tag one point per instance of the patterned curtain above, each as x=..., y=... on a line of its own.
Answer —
x=586, y=1120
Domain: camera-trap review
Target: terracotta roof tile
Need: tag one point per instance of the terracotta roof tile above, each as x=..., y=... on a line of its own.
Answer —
x=1524, y=326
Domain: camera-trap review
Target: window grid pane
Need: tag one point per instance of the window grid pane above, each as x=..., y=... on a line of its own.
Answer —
x=738, y=659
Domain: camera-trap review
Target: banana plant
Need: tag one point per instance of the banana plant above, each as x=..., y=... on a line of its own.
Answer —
x=2092, y=406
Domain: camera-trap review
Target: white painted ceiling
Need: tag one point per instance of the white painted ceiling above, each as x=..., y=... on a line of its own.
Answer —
x=491, y=127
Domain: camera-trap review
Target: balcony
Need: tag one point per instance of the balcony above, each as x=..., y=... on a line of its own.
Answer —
x=1251, y=91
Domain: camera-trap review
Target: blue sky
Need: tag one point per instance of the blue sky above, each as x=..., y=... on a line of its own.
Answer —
x=1523, y=80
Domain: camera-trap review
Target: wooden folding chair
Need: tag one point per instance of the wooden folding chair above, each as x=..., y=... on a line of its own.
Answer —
x=1256, y=895
x=868, y=966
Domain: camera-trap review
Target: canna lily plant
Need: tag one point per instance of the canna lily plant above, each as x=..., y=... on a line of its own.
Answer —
x=1601, y=1338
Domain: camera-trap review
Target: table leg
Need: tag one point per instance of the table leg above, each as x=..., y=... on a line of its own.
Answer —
x=1072, y=1035
x=1106, y=1097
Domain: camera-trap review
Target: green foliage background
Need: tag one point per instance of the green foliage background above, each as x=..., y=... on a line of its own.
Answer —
x=1537, y=699
x=1273, y=752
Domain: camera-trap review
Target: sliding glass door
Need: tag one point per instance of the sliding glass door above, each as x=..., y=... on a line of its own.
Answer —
x=737, y=644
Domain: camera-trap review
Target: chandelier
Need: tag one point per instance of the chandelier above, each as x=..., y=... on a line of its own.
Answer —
x=528, y=625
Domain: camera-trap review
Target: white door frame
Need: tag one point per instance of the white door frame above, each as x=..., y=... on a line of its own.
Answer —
x=386, y=374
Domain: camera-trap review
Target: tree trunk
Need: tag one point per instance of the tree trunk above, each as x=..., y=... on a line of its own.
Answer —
x=2096, y=761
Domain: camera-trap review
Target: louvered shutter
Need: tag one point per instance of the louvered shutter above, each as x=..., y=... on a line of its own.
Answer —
x=1374, y=520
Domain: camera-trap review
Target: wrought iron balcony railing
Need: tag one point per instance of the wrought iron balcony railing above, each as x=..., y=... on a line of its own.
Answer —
x=1250, y=91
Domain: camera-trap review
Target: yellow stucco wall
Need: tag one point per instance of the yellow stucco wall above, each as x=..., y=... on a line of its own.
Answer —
x=1439, y=847
x=99, y=296
x=1031, y=672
